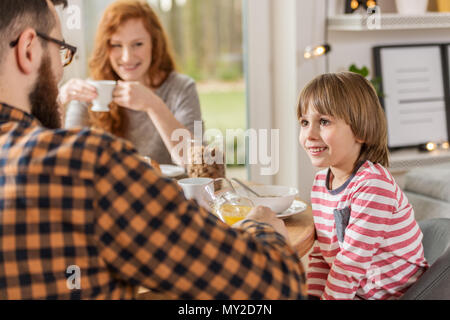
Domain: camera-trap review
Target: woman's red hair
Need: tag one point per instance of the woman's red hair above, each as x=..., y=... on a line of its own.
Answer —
x=100, y=67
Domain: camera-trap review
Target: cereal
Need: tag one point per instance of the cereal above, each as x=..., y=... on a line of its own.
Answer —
x=203, y=162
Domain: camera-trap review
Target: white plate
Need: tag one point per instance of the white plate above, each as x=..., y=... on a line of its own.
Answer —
x=171, y=171
x=296, y=207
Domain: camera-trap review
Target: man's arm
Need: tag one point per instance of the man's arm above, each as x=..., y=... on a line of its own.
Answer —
x=150, y=235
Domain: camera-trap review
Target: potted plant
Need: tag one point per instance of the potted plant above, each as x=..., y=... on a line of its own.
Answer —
x=364, y=71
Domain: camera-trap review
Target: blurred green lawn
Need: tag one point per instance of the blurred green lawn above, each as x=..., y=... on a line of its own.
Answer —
x=223, y=110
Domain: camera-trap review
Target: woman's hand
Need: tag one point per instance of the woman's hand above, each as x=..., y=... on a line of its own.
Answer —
x=138, y=97
x=134, y=95
x=77, y=89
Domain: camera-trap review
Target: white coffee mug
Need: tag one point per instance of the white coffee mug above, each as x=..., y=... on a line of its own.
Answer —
x=194, y=188
x=105, y=89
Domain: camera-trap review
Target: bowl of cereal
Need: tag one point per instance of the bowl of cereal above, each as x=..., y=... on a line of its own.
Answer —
x=277, y=198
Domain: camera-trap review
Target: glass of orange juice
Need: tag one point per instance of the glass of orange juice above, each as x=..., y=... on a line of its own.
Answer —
x=229, y=206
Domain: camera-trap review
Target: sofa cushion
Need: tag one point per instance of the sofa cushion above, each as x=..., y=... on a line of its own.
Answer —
x=436, y=238
x=428, y=208
x=432, y=181
x=433, y=285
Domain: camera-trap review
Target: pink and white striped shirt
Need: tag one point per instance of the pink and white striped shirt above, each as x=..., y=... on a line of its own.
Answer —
x=368, y=242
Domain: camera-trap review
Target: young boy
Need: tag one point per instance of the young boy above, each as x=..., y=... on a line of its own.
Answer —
x=368, y=242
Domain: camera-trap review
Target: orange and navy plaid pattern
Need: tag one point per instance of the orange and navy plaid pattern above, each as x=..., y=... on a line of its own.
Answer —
x=83, y=198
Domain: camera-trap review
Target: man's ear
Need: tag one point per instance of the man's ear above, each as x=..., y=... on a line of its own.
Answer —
x=29, y=51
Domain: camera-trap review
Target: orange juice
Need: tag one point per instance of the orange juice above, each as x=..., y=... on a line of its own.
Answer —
x=233, y=213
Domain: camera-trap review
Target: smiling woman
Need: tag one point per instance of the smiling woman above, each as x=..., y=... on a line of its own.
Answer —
x=151, y=99
x=129, y=48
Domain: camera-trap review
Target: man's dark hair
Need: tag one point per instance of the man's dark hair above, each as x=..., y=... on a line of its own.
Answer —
x=17, y=15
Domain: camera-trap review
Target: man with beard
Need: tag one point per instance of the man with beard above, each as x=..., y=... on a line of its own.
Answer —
x=83, y=217
x=44, y=95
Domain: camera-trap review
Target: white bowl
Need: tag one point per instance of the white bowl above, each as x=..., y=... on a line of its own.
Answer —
x=277, y=198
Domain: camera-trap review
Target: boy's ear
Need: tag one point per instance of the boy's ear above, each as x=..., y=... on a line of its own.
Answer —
x=28, y=51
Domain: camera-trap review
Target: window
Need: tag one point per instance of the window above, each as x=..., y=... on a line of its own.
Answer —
x=207, y=41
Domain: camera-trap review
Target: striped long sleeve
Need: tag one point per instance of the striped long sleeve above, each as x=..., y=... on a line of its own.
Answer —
x=368, y=237
x=317, y=272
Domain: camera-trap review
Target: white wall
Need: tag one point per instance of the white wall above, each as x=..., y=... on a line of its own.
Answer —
x=285, y=93
x=310, y=31
x=73, y=27
x=258, y=72
x=356, y=47
x=277, y=33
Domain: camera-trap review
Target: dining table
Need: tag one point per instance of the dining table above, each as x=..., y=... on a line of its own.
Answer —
x=301, y=232
x=300, y=227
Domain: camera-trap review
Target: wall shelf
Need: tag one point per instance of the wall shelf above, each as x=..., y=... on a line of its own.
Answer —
x=355, y=22
x=407, y=159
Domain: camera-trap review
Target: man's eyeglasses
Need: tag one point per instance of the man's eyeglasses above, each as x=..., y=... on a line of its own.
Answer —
x=66, y=51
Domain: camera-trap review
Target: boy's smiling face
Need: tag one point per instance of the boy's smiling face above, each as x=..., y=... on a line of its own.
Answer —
x=328, y=141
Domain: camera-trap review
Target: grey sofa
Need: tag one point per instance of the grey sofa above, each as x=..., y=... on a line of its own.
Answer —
x=435, y=282
x=428, y=190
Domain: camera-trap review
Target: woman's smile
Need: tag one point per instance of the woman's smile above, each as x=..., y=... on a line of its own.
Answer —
x=129, y=67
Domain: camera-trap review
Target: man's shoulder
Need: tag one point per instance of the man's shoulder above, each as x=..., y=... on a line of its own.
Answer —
x=88, y=139
x=79, y=152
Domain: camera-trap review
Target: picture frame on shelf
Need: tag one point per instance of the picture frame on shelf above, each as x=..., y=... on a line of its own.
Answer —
x=415, y=84
x=445, y=48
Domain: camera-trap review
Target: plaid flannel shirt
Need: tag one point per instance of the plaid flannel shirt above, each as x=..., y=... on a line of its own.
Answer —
x=83, y=200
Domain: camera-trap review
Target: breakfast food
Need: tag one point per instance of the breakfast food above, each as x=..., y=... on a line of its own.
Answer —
x=203, y=162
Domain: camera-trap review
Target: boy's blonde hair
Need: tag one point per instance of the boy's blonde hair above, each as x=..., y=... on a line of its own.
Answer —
x=351, y=97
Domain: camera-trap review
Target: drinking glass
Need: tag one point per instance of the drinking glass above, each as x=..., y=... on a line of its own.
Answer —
x=225, y=202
